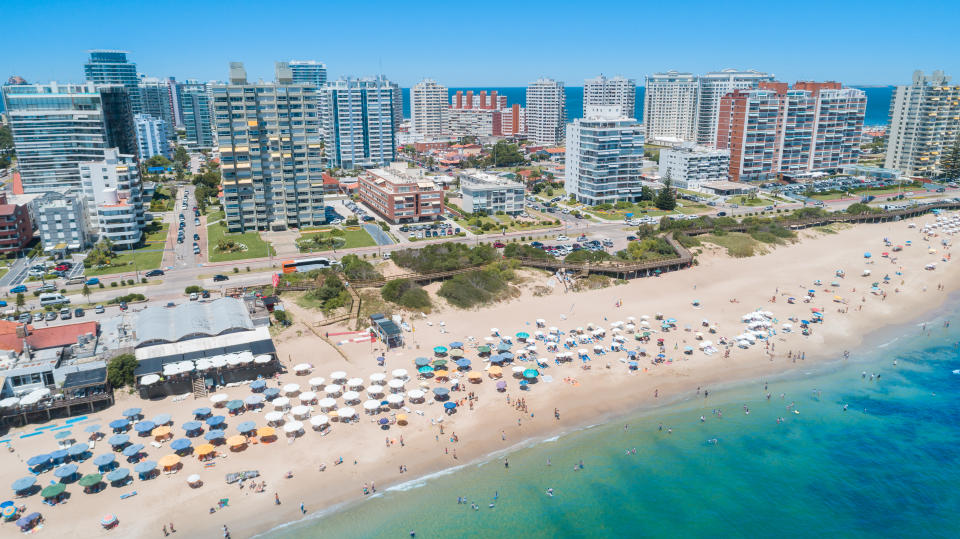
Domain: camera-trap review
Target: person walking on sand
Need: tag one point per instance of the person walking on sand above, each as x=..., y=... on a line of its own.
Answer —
x=276, y=498
x=165, y=532
x=303, y=510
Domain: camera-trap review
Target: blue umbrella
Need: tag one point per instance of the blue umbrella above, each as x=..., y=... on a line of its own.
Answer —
x=497, y=359
x=257, y=385
x=61, y=435
x=58, y=455
x=92, y=428
x=463, y=362
x=214, y=435
x=118, y=439
x=439, y=349
x=131, y=412
x=193, y=425
x=77, y=450
x=441, y=391
x=161, y=419
x=202, y=411
x=118, y=475
x=235, y=404
x=271, y=392
x=425, y=369
x=246, y=426
x=449, y=405
x=38, y=460
x=456, y=344
x=631, y=353
x=119, y=424
x=180, y=444
x=144, y=427
x=503, y=347
x=24, y=483
x=145, y=466
x=383, y=421
x=671, y=320
x=105, y=459
x=132, y=450
x=216, y=420
x=531, y=373
x=633, y=364
x=65, y=471
x=507, y=355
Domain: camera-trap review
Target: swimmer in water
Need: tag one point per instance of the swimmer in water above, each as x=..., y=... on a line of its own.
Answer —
x=549, y=492
x=702, y=419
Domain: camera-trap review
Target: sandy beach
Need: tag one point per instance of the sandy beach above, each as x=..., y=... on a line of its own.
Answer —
x=719, y=289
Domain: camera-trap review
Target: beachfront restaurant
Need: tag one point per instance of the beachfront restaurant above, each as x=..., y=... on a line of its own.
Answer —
x=44, y=387
x=387, y=331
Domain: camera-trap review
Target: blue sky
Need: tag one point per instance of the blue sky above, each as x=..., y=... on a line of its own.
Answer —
x=485, y=42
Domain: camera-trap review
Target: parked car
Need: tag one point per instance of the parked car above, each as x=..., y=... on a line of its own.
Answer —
x=38, y=317
x=48, y=287
x=205, y=294
x=65, y=314
x=123, y=305
x=99, y=309
x=154, y=273
x=196, y=237
x=78, y=312
x=220, y=277
x=194, y=296
x=51, y=315
x=499, y=244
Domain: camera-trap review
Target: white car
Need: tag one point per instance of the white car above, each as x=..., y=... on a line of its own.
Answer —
x=562, y=238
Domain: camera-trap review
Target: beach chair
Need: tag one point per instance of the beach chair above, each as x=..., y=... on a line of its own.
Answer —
x=127, y=495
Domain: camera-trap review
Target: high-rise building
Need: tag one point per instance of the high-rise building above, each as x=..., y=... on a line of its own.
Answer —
x=118, y=118
x=309, y=72
x=112, y=67
x=690, y=166
x=489, y=193
x=151, y=137
x=546, y=111
x=268, y=136
x=196, y=113
x=62, y=221
x=428, y=108
x=359, y=122
x=604, y=157
x=479, y=115
x=684, y=107
x=155, y=100
x=713, y=86
x=618, y=91
x=173, y=91
x=778, y=130
x=55, y=128
x=113, y=198
x=513, y=121
x=924, y=124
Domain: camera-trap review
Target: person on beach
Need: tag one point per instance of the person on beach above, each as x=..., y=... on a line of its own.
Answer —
x=276, y=498
x=303, y=510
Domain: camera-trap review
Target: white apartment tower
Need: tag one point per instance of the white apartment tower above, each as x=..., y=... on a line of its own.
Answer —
x=924, y=124
x=359, y=119
x=713, y=86
x=618, y=91
x=308, y=72
x=604, y=157
x=428, y=108
x=113, y=198
x=546, y=113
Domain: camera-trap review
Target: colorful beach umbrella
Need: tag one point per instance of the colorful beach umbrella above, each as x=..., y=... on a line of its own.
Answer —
x=456, y=352
x=421, y=361
x=247, y=426
x=483, y=349
x=131, y=412
x=235, y=404
x=449, y=405
x=456, y=344
x=531, y=373
x=523, y=335
x=201, y=412
x=77, y=450
x=439, y=349
x=161, y=419
x=118, y=439
x=92, y=428
x=257, y=385
x=118, y=424
x=145, y=466
x=463, y=362
x=214, y=435
x=425, y=369
x=105, y=459
x=441, y=391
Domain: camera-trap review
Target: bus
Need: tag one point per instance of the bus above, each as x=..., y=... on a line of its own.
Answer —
x=309, y=264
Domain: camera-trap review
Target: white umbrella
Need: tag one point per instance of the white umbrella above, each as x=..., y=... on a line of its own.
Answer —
x=9, y=402
x=185, y=366
x=332, y=389
x=300, y=411
x=218, y=362
x=262, y=358
x=347, y=412
x=395, y=384
x=494, y=331
x=273, y=417
x=395, y=399
x=233, y=359
x=375, y=390
x=371, y=405
x=338, y=375
x=204, y=364
x=351, y=396
x=194, y=478
x=517, y=369
x=302, y=367
x=554, y=329
x=217, y=398
x=291, y=389
x=378, y=377
x=319, y=420
x=317, y=382
x=327, y=404
x=399, y=373
x=247, y=357
x=149, y=379
x=293, y=427
x=308, y=396
x=355, y=383
x=281, y=403
x=415, y=394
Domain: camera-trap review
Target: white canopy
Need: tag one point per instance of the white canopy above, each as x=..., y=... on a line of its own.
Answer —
x=317, y=382
x=347, y=412
x=371, y=405
x=308, y=396
x=300, y=411
x=193, y=478
x=280, y=403
x=262, y=358
x=378, y=377
x=327, y=404
x=233, y=359
x=218, y=361
x=375, y=390
x=302, y=367
x=518, y=368
x=415, y=394
x=218, y=397
x=338, y=375
x=399, y=373
x=291, y=389
x=351, y=396
x=395, y=384
x=149, y=379
x=273, y=417
x=204, y=364
x=395, y=398
x=319, y=420
x=247, y=357
x=355, y=382
x=292, y=427
x=9, y=402
x=332, y=389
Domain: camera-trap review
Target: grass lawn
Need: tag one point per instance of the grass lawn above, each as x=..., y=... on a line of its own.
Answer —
x=353, y=237
x=256, y=247
x=742, y=200
x=215, y=216
x=738, y=244
x=500, y=222
x=144, y=258
x=3, y=271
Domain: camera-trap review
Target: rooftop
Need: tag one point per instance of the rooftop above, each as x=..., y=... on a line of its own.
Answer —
x=191, y=320
x=42, y=338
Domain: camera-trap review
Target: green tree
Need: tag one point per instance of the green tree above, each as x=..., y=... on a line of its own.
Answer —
x=646, y=193
x=666, y=200
x=21, y=301
x=120, y=370
x=181, y=156
x=158, y=161
x=504, y=154
x=950, y=162
x=86, y=292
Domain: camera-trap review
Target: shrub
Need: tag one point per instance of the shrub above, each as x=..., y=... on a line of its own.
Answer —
x=473, y=288
x=236, y=269
x=113, y=284
x=100, y=285
x=281, y=316
x=120, y=370
x=356, y=269
x=406, y=293
x=444, y=257
x=193, y=289
x=129, y=298
x=143, y=280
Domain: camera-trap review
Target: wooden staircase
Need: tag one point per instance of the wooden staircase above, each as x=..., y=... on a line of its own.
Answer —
x=199, y=388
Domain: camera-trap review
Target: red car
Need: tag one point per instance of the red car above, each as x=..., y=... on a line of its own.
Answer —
x=499, y=244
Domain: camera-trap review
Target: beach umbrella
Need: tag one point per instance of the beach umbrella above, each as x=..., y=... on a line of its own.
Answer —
x=351, y=396
x=325, y=404
x=253, y=400
x=118, y=475
x=27, y=520
x=235, y=404
x=201, y=412
x=218, y=398
x=92, y=428
x=257, y=385
x=131, y=412
x=347, y=413
x=266, y=432
x=441, y=373
x=8, y=511
x=439, y=362
x=132, y=450
x=317, y=382
x=425, y=369
x=246, y=426
x=439, y=350
x=501, y=385
x=38, y=460
x=161, y=419
x=235, y=441
x=291, y=389
x=281, y=403
x=396, y=384
x=90, y=480
x=441, y=391
x=375, y=390
x=214, y=435
x=216, y=420
x=293, y=427
x=456, y=352
x=495, y=370
x=302, y=367
x=119, y=424
x=144, y=467
x=523, y=335
x=103, y=460
x=503, y=347
x=191, y=426
x=506, y=355
x=332, y=389
x=371, y=405
x=497, y=359
x=355, y=383
x=483, y=349
x=77, y=450
x=421, y=361
x=180, y=444
x=160, y=431
x=52, y=491
x=271, y=393
x=108, y=520
x=169, y=461
x=449, y=405
x=24, y=483
x=144, y=427
x=383, y=421
x=61, y=435
x=58, y=456
x=456, y=344
x=531, y=373
x=118, y=439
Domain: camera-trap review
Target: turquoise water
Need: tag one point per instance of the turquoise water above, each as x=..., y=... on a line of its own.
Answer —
x=885, y=467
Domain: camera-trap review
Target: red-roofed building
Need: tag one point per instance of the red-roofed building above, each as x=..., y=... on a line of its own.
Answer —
x=13, y=335
x=16, y=231
x=331, y=185
x=17, y=187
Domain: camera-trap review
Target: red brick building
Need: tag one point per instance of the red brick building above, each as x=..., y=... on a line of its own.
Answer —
x=16, y=230
x=400, y=195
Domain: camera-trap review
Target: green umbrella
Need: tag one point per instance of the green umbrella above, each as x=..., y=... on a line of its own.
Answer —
x=483, y=349
x=439, y=362
x=53, y=491
x=456, y=352
x=89, y=480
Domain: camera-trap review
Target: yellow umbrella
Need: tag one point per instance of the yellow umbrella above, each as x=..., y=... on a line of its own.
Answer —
x=266, y=432
x=236, y=440
x=474, y=375
x=169, y=461
x=402, y=419
x=495, y=371
x=332, y=413
x=205, y=449
x=441, y=373
x=161, y=431
x=837, y=298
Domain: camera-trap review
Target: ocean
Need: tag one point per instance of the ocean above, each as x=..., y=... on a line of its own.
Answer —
x=887, y=466
x=878, y=101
